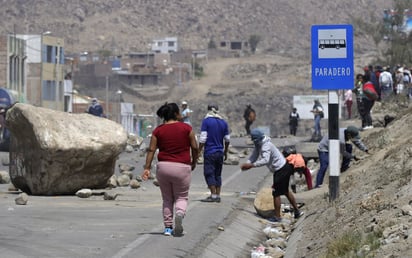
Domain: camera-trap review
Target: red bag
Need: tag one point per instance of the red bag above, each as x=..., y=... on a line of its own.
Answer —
x=369, y=91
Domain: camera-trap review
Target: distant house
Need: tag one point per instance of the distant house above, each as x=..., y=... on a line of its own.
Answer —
x=165, y=45
x=234, y=45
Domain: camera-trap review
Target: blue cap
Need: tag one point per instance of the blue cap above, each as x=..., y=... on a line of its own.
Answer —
x=257, y=135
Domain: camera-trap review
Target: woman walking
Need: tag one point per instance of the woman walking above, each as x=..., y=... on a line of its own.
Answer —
x=178, y=153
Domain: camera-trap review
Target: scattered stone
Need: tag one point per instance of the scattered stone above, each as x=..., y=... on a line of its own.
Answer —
x=232, y=160
x=22, y=199
x=129, y=149
x=134, y=184
x=128, y=173
x=123, y=180
x=112, y=182
x=84, y=193
x=4, y=177
x=126, y=167
x=12, y=188
x=109, y=196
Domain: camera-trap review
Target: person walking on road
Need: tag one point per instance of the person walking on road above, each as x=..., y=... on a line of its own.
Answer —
x=214, y=139
x=265, y=153
x=186, y=112
x=177, y=157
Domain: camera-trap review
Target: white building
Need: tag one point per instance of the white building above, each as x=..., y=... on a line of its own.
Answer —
x=165, y=45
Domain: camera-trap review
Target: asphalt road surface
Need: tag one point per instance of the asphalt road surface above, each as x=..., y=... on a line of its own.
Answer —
x=131, y=225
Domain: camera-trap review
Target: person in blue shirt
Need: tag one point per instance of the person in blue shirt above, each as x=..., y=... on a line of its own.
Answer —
x=214, y=139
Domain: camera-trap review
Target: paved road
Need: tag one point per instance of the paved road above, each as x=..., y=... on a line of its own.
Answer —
x=131, y=225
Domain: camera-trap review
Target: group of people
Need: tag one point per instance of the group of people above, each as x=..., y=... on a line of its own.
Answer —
x=178, y=152
x=178, y=155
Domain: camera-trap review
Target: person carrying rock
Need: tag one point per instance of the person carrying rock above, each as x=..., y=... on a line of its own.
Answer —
x=265, y=153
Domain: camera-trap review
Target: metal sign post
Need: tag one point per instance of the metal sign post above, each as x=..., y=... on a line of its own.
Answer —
x=332, y=70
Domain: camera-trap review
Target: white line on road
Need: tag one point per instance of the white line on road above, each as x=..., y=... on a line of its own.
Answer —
x=141, y=239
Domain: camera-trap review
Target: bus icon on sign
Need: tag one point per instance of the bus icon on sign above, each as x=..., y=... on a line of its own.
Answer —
x=332, y=43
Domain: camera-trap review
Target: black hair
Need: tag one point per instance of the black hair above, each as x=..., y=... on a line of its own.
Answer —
x=168, y=111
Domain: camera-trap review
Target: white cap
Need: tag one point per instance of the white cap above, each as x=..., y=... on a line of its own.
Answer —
x=184, y=103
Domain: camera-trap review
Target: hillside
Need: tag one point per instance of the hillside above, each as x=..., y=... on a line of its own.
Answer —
x=374, y=210
x=124, y=25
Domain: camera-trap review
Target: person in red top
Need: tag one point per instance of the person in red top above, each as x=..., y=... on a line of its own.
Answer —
x=177, y=157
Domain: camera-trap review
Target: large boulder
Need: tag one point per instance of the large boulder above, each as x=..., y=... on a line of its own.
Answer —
x=56, y=153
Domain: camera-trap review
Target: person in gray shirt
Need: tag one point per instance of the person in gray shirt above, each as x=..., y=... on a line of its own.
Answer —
x=265, y=153
x=346, y=137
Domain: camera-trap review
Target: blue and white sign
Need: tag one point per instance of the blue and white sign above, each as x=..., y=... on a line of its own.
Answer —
x=332, y=57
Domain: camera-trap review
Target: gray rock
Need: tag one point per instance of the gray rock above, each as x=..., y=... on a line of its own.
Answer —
x=123, y=180
x=84, y=193
x=22, y=199
x=128, y=173
x=4, y=177
x=110, y=196
x=134, y=184
x=55, y=152
x=126, y=167
x=112, y=182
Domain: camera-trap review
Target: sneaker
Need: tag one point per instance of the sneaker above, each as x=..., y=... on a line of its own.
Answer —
x=275, y=219
x=298, y=214
x=168, y=231
x=178, y=225
x=211, y=199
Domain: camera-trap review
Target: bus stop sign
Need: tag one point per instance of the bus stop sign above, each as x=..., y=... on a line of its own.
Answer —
x=332, y=57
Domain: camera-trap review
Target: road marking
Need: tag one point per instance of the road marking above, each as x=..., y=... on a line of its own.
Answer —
x=141, y=239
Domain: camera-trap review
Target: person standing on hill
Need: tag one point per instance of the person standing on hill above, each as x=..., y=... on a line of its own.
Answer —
x=265, y=153
x=214, y=139
x=250, y=116
x=293, y=121
x=348, y=103
x=386, y=83
x=368, y=100
x=177, y=157
x=346, y=137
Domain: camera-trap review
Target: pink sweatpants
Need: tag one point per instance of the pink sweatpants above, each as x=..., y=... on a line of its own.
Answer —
x=174, y=182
